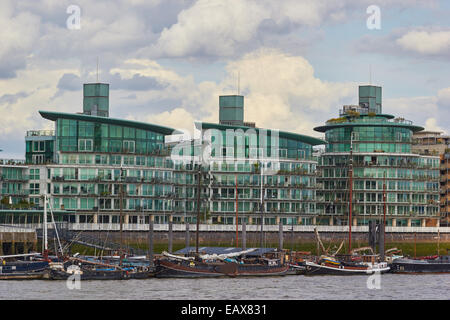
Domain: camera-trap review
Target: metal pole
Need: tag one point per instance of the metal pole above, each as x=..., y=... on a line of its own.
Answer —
x=262, y=209
x=45, y=253
x=187, y=235
x=350, y=173
x=121, y=215
x=198, y=208
x=237, y=227
x=150, y=239
x=170, y=233
x=384, y=217
x=244, y=235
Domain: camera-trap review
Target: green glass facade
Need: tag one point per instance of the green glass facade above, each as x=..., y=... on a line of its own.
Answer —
x=91, y=136
x=382, y=163
x=86, y=160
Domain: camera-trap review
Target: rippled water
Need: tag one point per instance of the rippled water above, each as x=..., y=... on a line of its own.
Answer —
x=392, y=286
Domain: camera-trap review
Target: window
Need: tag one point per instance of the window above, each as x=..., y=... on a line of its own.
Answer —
x=38, y=146
x=34, y=174
x=128, y=146
x=34, y=188
x=84, y=145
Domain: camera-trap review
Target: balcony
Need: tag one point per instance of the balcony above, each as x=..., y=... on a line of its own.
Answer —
x=18, y=162
x=40, y=133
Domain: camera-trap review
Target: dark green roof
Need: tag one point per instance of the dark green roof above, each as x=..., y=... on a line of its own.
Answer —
x=367, y=124
x=290, y=135
x=120, y=122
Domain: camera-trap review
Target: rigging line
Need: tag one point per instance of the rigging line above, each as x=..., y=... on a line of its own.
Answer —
x=54, y=224
x=104, y=244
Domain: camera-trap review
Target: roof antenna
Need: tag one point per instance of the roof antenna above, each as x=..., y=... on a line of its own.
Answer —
x=97, y=69
x=370, y=74
x=239, y=83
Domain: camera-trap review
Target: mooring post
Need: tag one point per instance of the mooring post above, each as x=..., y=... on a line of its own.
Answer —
x=13, y=243
x=170, y=233
x=188, y=239
x=244, y=235
x=280, y=235
x=150, y=240
x=381, y=244
x=372, y=235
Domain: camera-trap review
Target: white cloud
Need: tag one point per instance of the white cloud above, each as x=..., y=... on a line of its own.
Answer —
x=426, y=42
x=280, y=90
x=431, y=125
x=18, y=34
x=430, y=112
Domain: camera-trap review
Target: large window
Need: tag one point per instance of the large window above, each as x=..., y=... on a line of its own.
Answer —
x=128, y=146
x=84, y=145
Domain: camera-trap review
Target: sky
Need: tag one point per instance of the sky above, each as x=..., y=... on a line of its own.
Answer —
x=167, y=61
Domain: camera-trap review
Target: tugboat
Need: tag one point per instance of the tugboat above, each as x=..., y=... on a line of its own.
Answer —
x=21, y=269
x=433, y=264
x=352, y=263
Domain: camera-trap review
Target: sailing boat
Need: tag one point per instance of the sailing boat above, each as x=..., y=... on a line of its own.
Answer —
x=30, y=265
x=215, y=265
x=218, y=265
x=350, y=264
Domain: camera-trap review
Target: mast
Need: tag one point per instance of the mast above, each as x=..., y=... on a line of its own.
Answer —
x=237, y=228
x=350, y=174
x=121, y=214
x=45, y=242
x=384, y=214
x=198, y=207
x=262, y=208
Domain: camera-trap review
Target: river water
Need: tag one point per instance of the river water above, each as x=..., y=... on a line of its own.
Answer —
x=388, y=286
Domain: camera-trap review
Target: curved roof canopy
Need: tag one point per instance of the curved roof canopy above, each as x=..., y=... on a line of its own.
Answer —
x=367, y=124
x=119, y=122
x=290, y=135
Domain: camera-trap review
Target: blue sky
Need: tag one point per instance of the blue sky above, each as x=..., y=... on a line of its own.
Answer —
x=167, y=61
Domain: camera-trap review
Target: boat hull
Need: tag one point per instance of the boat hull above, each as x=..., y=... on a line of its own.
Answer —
x=88, y=275
x=317, y=269
x=23, y=267
x=23, y=270
x=22, y=276
x=412, y=266
x=171, y=269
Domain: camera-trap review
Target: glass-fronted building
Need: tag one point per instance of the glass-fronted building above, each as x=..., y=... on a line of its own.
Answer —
x=243, y=157
x=95, y=167
x=381, y=159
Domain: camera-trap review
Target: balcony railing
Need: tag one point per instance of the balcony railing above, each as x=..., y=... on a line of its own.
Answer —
x=12, y=161
x=40, y=133
x=225, y=228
